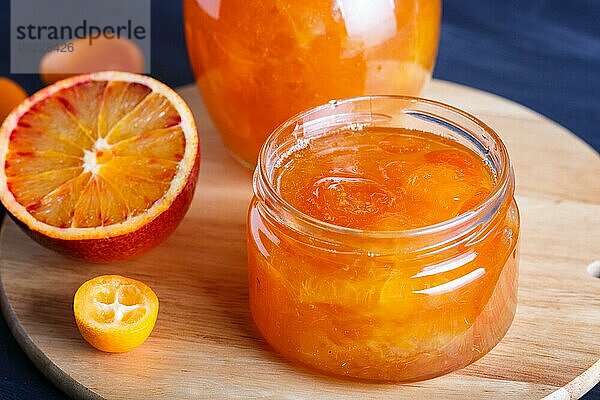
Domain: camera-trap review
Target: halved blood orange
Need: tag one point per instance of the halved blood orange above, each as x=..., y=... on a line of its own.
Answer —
x=100, y=166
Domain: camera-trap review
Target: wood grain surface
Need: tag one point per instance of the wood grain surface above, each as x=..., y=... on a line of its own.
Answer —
x=205, y=346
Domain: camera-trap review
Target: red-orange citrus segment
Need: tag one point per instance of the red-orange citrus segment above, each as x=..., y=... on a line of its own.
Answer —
x=115, y=314
x=11, y=94
x=100, y=166
x=86, y=56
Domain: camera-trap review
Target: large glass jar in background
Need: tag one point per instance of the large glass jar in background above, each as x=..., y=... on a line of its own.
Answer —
x=259, y=62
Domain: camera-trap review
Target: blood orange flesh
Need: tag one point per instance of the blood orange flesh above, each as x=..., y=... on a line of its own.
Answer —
x=98, y=156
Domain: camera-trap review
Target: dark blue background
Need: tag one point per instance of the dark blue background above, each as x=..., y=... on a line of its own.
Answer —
x=544, y=54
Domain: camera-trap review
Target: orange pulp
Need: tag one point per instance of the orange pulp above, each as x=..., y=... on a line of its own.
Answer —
x=259, y=62
x=115, y=314
x=395, y=312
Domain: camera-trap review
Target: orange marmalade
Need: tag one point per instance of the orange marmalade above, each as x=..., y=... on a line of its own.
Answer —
x=259, y=62
x=382, y=239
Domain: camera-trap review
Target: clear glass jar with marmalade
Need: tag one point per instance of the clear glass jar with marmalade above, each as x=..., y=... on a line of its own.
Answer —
x=259, y=62
x=383, y=239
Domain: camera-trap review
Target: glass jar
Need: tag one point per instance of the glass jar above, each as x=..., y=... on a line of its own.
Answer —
x=401, y=305
x=259, y=62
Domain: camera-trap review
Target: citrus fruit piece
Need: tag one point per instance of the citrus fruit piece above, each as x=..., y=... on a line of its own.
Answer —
x=347, y=201
x=459, y=159
x=115, y=314
x=12, y=95
x=101, y=167
x=81, y=57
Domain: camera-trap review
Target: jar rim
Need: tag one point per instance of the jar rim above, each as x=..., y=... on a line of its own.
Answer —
x=490, y=204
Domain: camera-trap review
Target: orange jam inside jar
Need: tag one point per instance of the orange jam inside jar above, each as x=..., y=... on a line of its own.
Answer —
x=258, y=62
x=382, y=239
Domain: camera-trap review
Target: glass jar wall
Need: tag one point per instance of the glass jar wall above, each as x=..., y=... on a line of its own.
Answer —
x=259, y=62
x=400, y=304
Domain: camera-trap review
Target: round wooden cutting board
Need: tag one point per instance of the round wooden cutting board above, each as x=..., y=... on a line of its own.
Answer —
x=205, y=345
